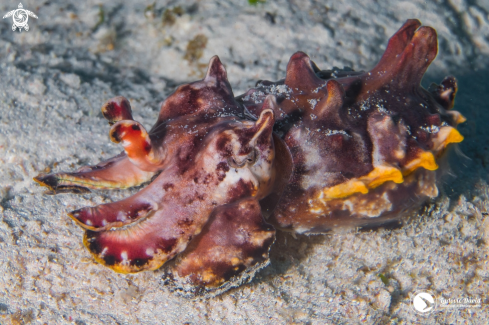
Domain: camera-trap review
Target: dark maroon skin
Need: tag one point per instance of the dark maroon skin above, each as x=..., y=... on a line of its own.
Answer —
x=355, y=104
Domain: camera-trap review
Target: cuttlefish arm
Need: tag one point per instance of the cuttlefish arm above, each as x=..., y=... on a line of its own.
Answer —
x=232, y=246
x=115, y=173
x=149, y=243
x=145, y=153
x=233, y=162
x=120, y=213
x=118, y=172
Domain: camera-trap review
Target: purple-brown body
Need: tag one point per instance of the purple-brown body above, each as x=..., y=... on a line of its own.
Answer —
x=317, y=150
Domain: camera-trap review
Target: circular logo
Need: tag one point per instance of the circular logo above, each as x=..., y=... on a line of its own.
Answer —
x=20, y=18
x=424, y=302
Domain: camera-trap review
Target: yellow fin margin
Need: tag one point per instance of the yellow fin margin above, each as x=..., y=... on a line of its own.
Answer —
x=425, y=159
x=382, y=174
x=376, y=177
x=453, y=136
x=444, y=137
x=155, y=263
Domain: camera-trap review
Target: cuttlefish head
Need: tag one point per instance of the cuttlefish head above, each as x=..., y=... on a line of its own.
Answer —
x=242, y=155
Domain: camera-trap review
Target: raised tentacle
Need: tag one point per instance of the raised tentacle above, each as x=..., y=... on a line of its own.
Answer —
x=138, y=145
x=409, y=53
x=212, y=95
x=329, y=108
x=301, y=73
x=445, y=93
x=117, y=109
x=397, y=43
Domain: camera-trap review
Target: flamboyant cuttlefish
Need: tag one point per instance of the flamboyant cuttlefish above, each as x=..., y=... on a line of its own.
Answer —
x=317, y=150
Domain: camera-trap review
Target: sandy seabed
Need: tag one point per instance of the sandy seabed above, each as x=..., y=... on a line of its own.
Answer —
x=76, y=55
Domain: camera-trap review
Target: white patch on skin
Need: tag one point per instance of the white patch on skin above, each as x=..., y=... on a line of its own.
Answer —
x=319, y=176
x=248, y=124
x=379, y=130
x=333, y=132
x=365, y=105
x=312, y=102
x=258, y=174
x=316, y=211
x=233, y=178
x=271, y=89
x=433, y=129
x=256, y=97
x=321, y=195
x=124, y=256
x=427, y=186
x=372, y=209
x=348, y=205
x=121, y=216
x=150, y=251
x=88, y=223
x=103, y=252
x=240, y=236
x=300, y=230
x=104, y=222
x=261, y=170
x=314, y=161
x=209, y=81
x=315, y=91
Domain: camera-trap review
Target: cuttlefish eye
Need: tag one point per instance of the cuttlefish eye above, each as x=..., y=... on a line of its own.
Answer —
x=249, y=160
